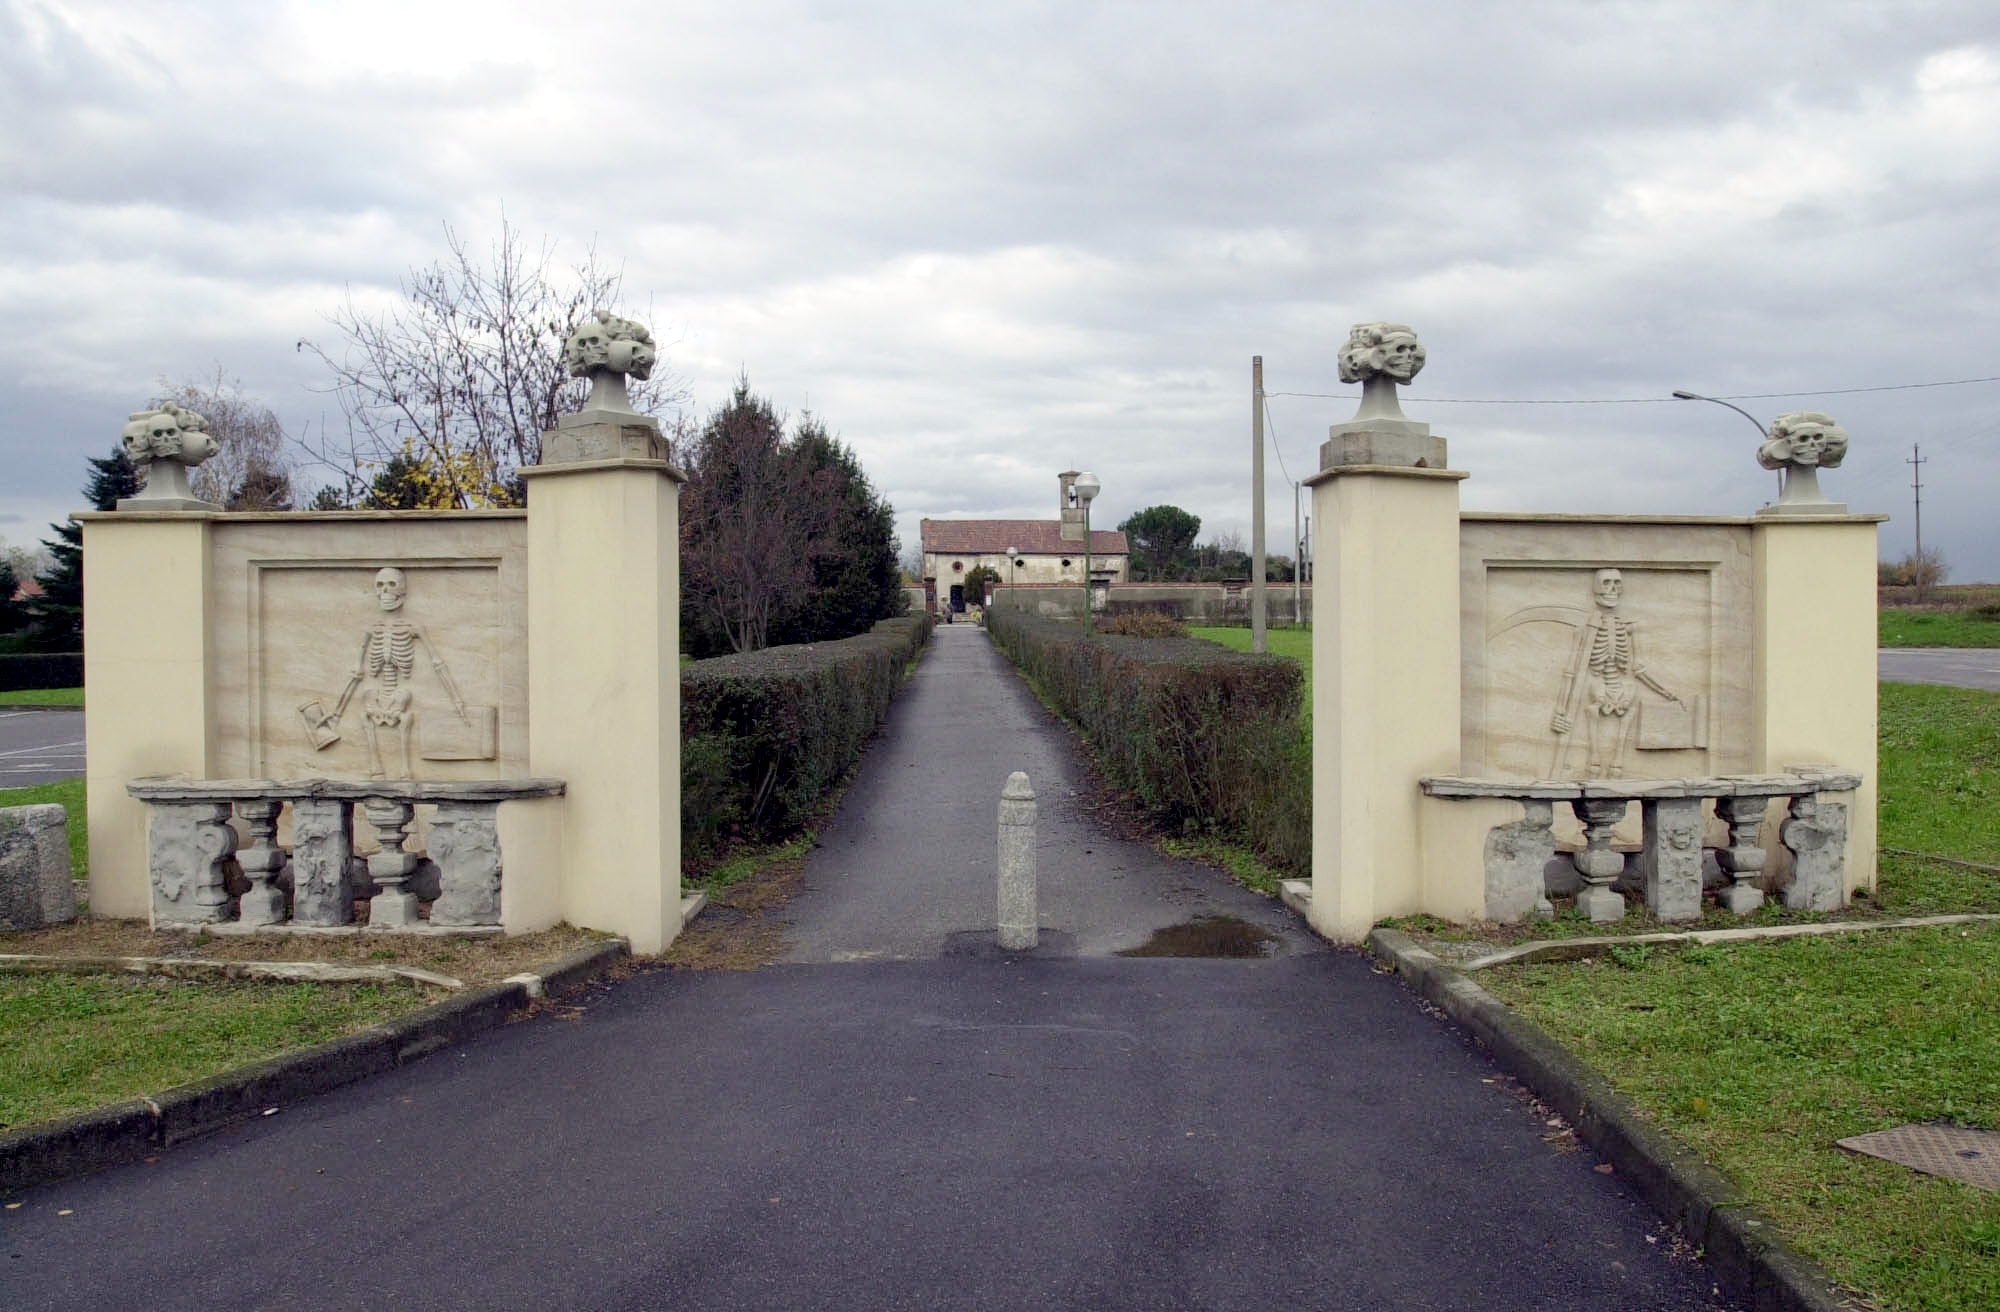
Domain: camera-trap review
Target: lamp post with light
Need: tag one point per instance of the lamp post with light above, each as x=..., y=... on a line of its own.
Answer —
x=1087, y=488
x=1755, y=422
x=1013, y=563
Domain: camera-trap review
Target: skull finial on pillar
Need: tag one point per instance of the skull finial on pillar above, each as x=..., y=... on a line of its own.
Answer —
x=1379, y=356
x=605, y=348
x=1802, y=443
x=163, y=445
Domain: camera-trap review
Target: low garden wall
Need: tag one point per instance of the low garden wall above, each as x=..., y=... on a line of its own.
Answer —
x=1204, y=737
x=765, y=734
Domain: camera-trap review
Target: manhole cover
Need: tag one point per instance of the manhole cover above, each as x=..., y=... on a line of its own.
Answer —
x=1949, y=1150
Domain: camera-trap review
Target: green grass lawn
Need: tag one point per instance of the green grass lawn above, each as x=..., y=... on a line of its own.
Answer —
x=1762, y=1055
x=1295, y=643
x=1899, y=627
x=70, y=1042
x=68, y=793
x=42, y=697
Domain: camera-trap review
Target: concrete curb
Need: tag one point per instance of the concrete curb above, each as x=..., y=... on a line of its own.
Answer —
x=143, y=1127
x=1740, y=1244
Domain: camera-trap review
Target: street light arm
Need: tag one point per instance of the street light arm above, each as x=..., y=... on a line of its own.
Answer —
x=1697, y=396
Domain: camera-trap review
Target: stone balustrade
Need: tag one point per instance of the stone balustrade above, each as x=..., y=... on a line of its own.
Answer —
x=191, y=842
x=1670, y=856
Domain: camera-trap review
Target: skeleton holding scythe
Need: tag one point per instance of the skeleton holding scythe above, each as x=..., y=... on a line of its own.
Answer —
x=1602, y=684
x=388, y=659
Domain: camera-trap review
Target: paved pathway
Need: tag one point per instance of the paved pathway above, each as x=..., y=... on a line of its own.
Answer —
x=1958, y=667
x=953, y=1130
x=906, y=870
x=39, y=747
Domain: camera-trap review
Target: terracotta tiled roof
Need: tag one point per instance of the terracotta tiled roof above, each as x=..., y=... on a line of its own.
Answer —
x=1031, y=537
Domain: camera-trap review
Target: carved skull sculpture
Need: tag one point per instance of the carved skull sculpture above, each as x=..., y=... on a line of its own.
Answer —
x=165, y=443
x=1807, y=438
x=589, y=348
x=390, y=589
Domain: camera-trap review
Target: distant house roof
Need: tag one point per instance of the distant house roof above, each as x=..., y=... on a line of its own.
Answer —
x=1031, y=537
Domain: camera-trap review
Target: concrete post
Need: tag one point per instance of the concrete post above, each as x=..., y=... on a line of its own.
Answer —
x=1815, y=677
x=604, y=678
x=1385, y=677
x=1019, y=928
x=148, y=630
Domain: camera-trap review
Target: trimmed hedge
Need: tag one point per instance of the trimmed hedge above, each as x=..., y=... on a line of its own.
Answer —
x=63, y=669
x=765, y=734
x=1203, y=736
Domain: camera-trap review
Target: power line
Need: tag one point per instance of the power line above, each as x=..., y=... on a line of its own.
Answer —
x=1273, y=428
x=1654, y=400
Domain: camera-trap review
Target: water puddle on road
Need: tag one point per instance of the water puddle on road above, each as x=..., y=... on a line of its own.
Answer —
x=1208, y=936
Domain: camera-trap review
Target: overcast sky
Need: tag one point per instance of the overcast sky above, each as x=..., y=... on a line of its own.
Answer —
x=990, y=243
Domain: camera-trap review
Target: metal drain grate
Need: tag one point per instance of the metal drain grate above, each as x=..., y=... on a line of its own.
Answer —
x=1949, y=1150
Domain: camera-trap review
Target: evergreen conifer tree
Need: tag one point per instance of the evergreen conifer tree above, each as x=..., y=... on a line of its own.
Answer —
x=55, y=619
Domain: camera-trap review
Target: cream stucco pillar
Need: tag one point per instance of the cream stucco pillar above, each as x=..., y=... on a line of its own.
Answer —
x=1385, y=682
x=604, y=685
x=1814, y=663
x=147, y=634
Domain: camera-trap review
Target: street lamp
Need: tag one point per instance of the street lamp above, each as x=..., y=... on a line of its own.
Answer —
x=1755, y=422
x=1013, y=563
x=1087, y=487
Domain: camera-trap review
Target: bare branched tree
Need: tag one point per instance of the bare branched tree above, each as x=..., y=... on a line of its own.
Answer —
x=462, y=378
x=253, y=468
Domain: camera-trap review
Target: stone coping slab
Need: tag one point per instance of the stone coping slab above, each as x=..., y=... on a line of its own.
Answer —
x=1827, y=780
x=142, y=1127
x=1576, y=949
x=318, y=972
x=174, y=788
x=1742, y=1246
x=419, y=929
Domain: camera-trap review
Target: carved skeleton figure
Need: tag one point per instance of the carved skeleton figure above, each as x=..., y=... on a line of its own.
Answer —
x=387, y=663
x=1602, y=683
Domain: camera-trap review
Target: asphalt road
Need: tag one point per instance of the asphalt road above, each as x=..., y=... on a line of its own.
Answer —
x=39, y=747
x=956, y=1133
x=911, y=869
x=1958, y=667
x=958, y=1129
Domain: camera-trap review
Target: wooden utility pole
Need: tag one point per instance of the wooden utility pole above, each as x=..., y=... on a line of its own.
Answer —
x=1259, y=621
x=1921, y=571
x=1298, y=558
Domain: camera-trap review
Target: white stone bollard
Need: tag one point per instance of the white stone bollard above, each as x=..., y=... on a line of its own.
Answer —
x=1018, y=928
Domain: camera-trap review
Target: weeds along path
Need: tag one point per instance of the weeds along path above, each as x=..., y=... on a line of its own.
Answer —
x=906, y=868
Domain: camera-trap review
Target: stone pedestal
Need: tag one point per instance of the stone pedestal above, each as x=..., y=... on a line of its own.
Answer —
x=35, y=887
x=1817, y=837
x=322, y=846
x=188, y=845
x=1382, y=441
x=1670, y=861
x=465, y=843
x=1517, y=858
x=604, y=676
x=1385, y=689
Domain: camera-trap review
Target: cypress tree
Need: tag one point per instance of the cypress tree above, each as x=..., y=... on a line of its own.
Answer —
x=55, y=619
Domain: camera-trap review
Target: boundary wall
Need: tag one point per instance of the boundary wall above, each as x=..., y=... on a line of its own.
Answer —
x=216, y=642
x=1767, y=647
